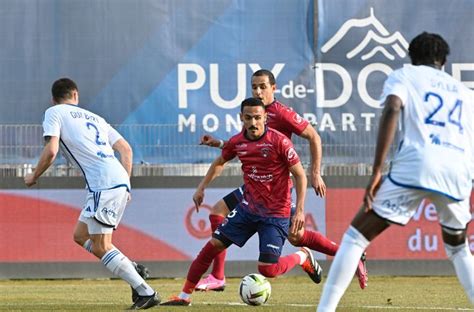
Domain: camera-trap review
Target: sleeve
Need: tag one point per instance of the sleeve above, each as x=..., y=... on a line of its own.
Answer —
x=228, y=151
x=113, y=135
x=288, y=152
x=293, y=121
x=394, y=86
x=51, y=123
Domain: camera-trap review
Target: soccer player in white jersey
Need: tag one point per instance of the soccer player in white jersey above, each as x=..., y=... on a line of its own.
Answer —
x=89, y=141
x=433, y=160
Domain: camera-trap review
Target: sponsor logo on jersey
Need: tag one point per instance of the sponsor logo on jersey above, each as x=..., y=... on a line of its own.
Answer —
x=261, y=177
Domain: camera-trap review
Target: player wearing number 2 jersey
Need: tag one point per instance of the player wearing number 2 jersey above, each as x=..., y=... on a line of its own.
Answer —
x=89, y=141
x=433, y=160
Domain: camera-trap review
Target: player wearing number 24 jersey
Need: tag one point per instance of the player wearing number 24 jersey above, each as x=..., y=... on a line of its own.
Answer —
x=433, y=161
x=437, y=131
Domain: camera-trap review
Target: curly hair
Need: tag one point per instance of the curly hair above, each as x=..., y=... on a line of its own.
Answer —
x=428, y=48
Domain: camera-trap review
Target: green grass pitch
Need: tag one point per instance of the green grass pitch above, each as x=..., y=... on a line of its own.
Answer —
x=288, y=294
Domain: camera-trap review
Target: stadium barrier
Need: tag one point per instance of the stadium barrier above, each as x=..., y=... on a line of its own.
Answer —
x=160, y=219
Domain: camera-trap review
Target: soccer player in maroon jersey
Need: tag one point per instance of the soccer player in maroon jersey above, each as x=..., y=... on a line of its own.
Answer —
x=267, y=158
x=287, y=121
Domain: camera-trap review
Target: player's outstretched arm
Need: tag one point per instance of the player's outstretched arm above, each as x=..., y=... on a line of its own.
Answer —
x=301, y=184
x=214, y=171
x=48, y=155
x=387, y=129
x=126, y=154
x=316, y=151
x=208, y=140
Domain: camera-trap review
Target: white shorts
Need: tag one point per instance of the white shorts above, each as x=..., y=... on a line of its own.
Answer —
x=103, y=210
x=398, y=204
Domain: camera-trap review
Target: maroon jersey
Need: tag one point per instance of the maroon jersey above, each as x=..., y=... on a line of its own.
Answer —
x=265, y=164
x=284, y=119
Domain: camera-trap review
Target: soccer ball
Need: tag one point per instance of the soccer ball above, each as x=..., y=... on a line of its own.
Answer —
x=255, y=289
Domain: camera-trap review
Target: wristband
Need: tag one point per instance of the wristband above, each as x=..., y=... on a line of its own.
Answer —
x=221, y=144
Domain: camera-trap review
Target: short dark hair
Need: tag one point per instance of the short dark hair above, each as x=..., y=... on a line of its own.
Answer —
x=62, y=89
x=265, y=72
x=428, y=48
x=251, y=102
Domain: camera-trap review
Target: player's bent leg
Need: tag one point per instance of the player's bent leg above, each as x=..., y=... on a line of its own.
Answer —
x=457, y=250
x=283, y=265
x=313, y=240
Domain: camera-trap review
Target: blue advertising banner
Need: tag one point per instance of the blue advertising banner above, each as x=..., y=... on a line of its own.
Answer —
x=168, y=71
x=182, y=65
x=361, y=42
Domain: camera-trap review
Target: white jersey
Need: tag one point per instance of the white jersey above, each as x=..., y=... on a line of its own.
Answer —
x=87, y=139
x=436, y=144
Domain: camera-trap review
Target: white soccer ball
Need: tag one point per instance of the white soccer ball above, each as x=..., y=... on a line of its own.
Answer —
x=255, y=289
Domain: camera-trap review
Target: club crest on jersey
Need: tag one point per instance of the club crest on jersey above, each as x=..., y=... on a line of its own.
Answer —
x=265, y=151
x=291, y=154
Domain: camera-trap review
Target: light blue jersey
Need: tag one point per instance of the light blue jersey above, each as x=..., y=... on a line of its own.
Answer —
x=87, y=140
x=436, y=144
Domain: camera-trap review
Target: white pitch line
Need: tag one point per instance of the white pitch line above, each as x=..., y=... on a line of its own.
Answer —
x=418, y=308
x=303, y=305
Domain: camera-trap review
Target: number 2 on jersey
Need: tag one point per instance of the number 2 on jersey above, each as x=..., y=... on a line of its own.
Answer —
x=436, y=117
x=97, y=135
x=98, y=141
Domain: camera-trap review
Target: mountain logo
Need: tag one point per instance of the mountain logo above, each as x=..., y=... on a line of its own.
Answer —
x=387, y=44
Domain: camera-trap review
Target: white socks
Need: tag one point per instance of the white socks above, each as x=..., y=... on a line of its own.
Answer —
x=121, y=266
x=342, y=269
x=463, y=262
